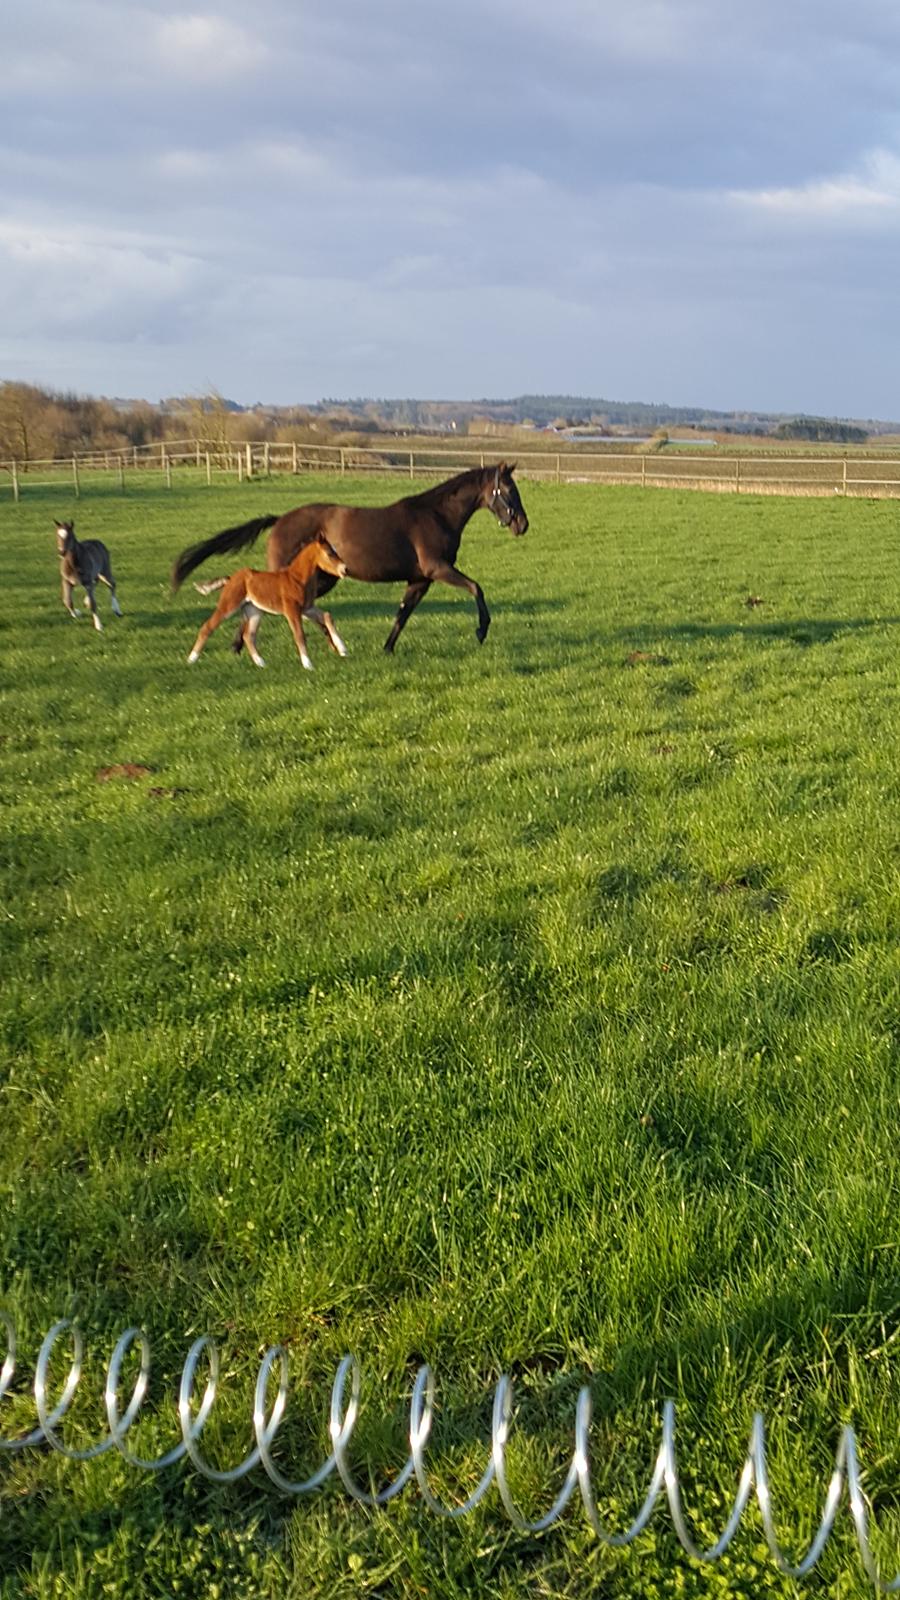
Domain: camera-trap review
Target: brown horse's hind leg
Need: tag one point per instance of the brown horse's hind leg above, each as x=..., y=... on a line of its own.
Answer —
x=248, y=632
x=107, y=578
x=414, y=593
x=458, y=580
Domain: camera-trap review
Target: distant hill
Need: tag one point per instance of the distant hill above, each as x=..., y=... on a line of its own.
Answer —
x=545, y=410
x=37, y=424
x=535, y=410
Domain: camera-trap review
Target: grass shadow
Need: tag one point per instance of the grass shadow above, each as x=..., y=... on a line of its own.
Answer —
x=812, y=630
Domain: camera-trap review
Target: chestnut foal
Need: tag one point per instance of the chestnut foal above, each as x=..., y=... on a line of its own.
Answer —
x=290, y=592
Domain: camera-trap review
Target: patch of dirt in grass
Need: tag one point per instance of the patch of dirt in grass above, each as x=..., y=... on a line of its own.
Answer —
x=647, y=658
x=130, y=770
x=755, y=882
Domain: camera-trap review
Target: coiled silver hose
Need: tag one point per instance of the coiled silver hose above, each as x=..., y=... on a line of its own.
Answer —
x=343, y=1417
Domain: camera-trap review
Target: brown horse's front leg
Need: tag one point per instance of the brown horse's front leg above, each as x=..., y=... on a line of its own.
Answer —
x=294, y=613
x=414, y=593
x=92, y=606
x=68, y=589
x=458, y=580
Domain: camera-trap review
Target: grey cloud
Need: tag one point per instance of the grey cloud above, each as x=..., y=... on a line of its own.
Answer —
x=662, y=199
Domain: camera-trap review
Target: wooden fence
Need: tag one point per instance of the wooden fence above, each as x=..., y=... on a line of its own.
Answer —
x=192, y=460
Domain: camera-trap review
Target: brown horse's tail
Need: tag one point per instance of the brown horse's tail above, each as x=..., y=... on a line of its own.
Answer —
x=228, y=539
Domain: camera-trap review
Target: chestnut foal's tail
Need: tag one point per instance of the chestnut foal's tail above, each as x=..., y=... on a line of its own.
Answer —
x=228, y=539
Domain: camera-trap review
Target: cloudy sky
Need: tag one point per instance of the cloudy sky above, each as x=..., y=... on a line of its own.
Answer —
x=692, y=201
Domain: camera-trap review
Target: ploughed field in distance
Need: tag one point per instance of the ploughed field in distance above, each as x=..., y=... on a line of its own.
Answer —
x=529, y=1007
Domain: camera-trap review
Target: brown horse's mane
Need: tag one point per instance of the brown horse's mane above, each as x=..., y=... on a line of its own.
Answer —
x=444, y=491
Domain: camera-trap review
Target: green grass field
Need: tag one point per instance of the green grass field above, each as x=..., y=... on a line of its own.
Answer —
x=532, y=1007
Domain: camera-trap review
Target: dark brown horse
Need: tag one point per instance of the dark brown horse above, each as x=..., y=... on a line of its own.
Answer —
x=414, y=541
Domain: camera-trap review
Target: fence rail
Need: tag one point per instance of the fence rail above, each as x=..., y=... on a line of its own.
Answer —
x=192, y=460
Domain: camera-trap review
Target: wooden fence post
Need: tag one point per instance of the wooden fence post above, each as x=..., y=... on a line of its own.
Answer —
x=75, y=475
x=411, y=467
x=558, y=473
x=643, y=471
x=737, y=475
x=249, y=461
x=208, y=471
x=266, y=467
x=844, y=478
x=15, y=482
x=240, y=465
x=121, y=465
x=294, y=454
x=168, y=472
x=343, y=462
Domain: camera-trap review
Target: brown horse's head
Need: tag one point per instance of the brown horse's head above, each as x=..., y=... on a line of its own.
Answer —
x=65, y=536
x=327, y=557
x=504, y=499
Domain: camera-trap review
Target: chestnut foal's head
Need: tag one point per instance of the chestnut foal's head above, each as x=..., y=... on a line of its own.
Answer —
x=327, y=557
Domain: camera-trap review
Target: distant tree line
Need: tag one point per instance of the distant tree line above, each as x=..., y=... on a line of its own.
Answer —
x=41, y=424
x=545, y=410
x=821, y=430
x=38, y=424
x=541, y=410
